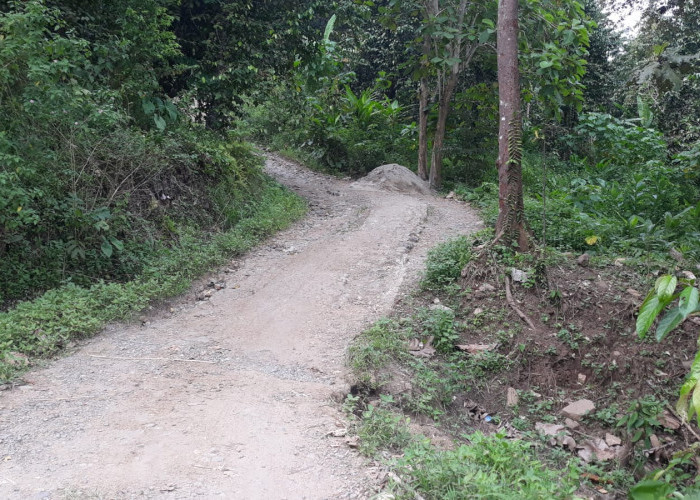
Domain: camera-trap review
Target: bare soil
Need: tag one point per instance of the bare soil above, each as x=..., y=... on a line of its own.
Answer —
x=230, y=396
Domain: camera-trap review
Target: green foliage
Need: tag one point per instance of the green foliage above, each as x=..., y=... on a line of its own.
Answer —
x=659, y=298
x=641, y=419
x=44, y=325
x=434, y=387
x=440, y=325
x=445, y=263
x=483, y=469
x=374, y=349
x=382, y=429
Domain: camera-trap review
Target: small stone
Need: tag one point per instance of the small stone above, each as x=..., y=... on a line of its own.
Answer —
x=581, y=378
x=439, y=307
x=634, y=293
x=688, y=275
x=436, y=300
x=478, y=311
x=518, y=275
x=571, y=424
x=549, y=429
x=655, y=441
x=512, y=398
x=486, y=287
x=583, y=259
x=620, y=261
x=669, y=421
x=612, y=440
x=578, y=409
x=450, y=195
x=617, y=353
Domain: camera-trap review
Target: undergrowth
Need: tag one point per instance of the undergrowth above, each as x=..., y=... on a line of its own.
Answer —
x=43, y=326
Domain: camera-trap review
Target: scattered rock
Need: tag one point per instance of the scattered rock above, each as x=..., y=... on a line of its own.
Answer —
x=596, y=449
x=439, y=307
x=339, y=433
x=512, y=398
x=476, y=348
x=549, y=429
x=426, y=350
x=518, y=275
x=620, y=261
x=612, y=440
x=655, y=441
x=571, y=424
x=486, y=287
x=688, y=275
x=583, y=259
x=669, y=421
x=578, y=409
x=617, y=353
x=581, y=378
x=436, y=300
x=478, y=311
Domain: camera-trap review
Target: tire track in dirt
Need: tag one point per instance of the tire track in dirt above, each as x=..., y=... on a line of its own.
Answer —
x=230, y=397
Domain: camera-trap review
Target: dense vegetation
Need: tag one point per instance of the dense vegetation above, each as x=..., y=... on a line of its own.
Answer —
x=124, y=170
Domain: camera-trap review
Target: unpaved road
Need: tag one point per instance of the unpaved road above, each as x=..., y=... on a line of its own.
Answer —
x=230, y=397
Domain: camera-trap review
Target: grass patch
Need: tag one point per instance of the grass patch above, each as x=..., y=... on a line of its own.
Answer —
x=489, y=467
x=374, y=349
x=445, y=263
x=43, y=326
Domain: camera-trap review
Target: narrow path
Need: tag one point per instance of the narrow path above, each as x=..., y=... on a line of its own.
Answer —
x=230, y=397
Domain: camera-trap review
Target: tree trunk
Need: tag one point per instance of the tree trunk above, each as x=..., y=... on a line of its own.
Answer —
x=423, y=118
x=439, y=139
x=511, y=226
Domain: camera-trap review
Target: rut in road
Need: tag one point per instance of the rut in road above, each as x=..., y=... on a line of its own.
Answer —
x=230, y=397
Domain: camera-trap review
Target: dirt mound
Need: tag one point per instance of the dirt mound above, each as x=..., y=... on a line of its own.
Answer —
x=393, y=177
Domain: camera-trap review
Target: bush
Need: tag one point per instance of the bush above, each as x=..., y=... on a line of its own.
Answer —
x=445, y=263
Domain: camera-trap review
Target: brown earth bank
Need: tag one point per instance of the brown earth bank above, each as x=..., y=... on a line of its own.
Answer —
x=227, y=392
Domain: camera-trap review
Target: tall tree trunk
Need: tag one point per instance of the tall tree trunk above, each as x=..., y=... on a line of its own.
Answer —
x=510, y=226
x=423, y=117
x=439, y=139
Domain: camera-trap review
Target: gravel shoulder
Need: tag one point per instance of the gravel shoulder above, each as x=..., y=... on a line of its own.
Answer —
x=231, y=396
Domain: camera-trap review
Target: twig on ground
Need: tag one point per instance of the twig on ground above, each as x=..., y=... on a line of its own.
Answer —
x=511, y=302
x=151, y=359
x=682, y=421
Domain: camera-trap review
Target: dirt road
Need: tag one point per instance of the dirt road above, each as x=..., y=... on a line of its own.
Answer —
x=230, y=397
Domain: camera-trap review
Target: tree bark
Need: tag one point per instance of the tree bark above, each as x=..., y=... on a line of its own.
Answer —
x=510, y=226
x=439, y=139
x=423, y=117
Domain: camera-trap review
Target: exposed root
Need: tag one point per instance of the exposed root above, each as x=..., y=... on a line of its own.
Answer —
x=511, y=302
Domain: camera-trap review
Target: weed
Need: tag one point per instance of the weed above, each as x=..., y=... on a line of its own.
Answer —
x=484, y=469
x=382, y=429
x=641, y=421
x=375, y=348
x=445, y=263
x=440, y=324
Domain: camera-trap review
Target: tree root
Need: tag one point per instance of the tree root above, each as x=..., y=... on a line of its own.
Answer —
x=511, y=302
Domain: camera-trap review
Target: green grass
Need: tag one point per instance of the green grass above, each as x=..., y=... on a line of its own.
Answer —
x=376, y=348
x=489, y=467
x=43, y=326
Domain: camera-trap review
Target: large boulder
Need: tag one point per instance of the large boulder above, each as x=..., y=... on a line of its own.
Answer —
x=393, y=177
